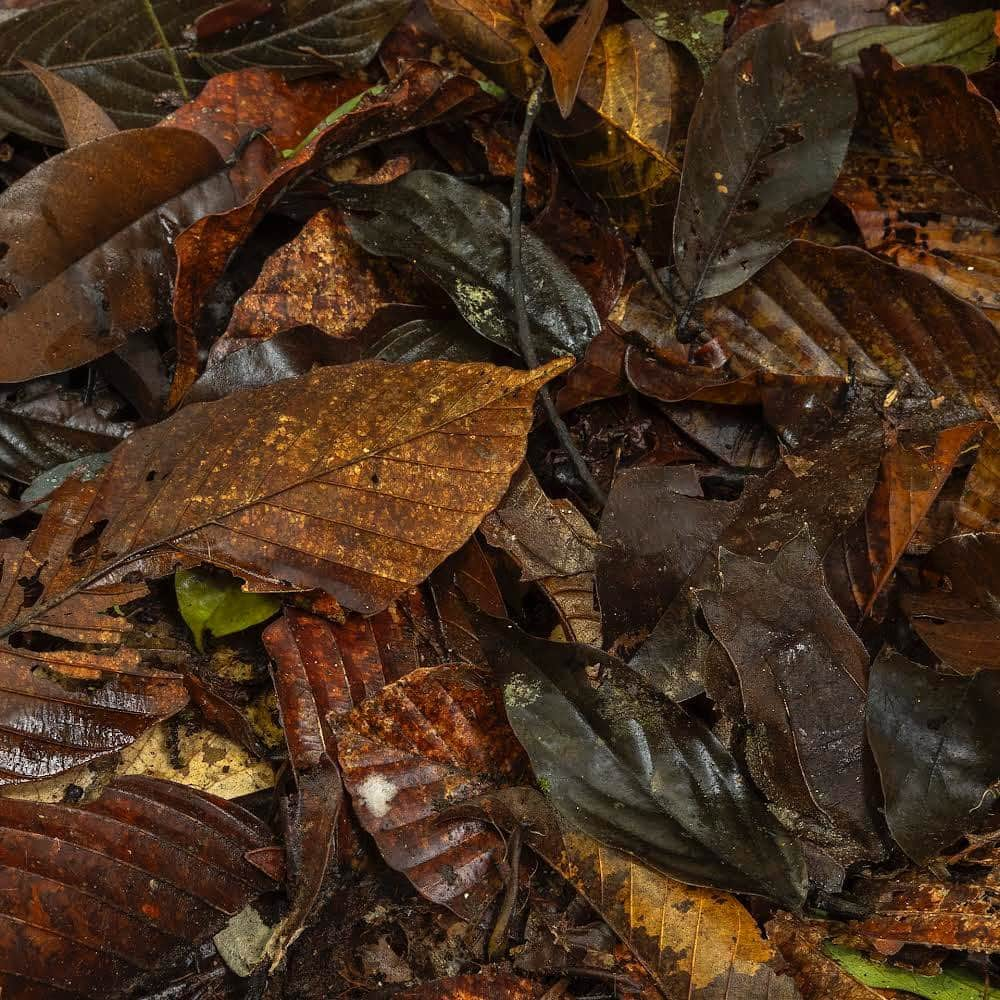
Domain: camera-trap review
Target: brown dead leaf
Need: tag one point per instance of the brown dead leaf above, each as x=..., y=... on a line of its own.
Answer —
x=487, y=985
x=979, y=506
x=434, y=739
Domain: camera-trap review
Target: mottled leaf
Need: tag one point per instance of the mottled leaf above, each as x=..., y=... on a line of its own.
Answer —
x=765, y=145
x=698, y=25
x=434, y=739
x=459, y=236
x=609, y=752
x=936, y=744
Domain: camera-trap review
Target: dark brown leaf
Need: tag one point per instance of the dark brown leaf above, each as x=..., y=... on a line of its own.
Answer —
x=97, y=899
x=979, y=506
x=434, y=739
x=80, y=117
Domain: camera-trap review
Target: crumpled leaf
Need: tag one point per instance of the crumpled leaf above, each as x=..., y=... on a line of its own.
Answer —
x=111, y=51
x=216, y=603
x=554, y=545
x=70, y=290
x=609, y=751
x=968, y=41
x=43, y=424
x=98, y=899
x=958, y=616
x=272, y=466
x=459, y=236
x=766, y=142
x=699, y=944
x=803, y=678
x=434, y=739
x=936, y=743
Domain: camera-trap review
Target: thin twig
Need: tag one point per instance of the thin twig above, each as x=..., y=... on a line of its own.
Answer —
x=175, y=66
x=692, y=329
x=498, y=938
x=520, y=305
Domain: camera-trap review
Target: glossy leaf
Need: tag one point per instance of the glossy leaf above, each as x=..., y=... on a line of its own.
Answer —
x=968, y=41
x=765, y=145
x=111, y=51
x=432, y=740
x=345, y=462
x=803, y=676
x=101, y=898
x=216, y=603
x=609, y=753
x=958, y=613
x=69, y=290
x=935, y=744
x=459, y=236
x=698, y=944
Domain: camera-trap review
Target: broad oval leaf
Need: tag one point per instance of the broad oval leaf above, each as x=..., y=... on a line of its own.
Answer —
x=356, y=479
x=764, y=148
x=98, y=899
x=629, y=767
x=112, y=52
x=435, y=739
x=460, y=237
x=88, y=244
x=936, y=744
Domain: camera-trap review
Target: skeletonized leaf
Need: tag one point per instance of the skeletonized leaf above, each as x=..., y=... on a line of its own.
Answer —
x=335, y=480
x=611, y=752
x=97, y=899
x=459, y=236
x=112, y=52
x=434, y=739
x=764, y=148
x=936, y=743
x=699, y=944
x=74, y=228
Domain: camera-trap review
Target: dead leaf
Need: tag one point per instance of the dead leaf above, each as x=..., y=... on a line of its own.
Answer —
x=979, y=506
x=81, y=118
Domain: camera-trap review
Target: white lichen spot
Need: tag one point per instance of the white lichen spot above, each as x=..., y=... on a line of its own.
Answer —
x=376, y=794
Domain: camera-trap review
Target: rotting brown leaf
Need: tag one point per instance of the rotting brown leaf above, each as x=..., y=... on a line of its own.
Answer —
x=432, y=740
x=979, y=506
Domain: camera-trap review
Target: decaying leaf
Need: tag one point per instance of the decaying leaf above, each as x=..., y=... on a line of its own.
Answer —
x=609, y=751
x=698, y=944
x=554, y=545
x=459, y=236
x=979, y=506
x=765, y=145
x=696, y=23
x=484, y=986
x=803, y=677
x=436, y=738
x=101, y=897
x=81, y=118
x=935, y=742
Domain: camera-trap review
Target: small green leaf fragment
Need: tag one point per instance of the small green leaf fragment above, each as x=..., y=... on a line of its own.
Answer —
x=950, y=984
x=716, y=16
x=213, y=601
x=346, y=108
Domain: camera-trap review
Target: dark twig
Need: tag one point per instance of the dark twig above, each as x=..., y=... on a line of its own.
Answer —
x=498, y=938
x=520, y=305
x=691, y=328
x=175, y=66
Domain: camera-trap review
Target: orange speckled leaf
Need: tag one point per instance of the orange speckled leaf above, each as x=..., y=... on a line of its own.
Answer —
x=487, y=985
x=432, y=740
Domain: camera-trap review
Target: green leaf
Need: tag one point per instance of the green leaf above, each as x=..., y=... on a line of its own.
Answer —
x=951, y=984
x=967, y=41
x=213, y=601
x=697, y=24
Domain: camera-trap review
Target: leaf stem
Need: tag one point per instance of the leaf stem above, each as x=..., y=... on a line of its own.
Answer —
x=520, y=305
x=175, y=66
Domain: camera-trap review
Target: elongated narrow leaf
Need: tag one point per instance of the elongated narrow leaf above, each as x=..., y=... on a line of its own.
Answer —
x=335, y=480
x=460, y=237
x=71, y=290
x=629, y=767
x=98, y=899
x=112, y=52
x=432, y=740
x=936, y=744
x=699, y=944
x=765, y=145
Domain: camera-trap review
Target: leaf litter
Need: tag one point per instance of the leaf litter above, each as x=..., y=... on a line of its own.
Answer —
x=441, y=558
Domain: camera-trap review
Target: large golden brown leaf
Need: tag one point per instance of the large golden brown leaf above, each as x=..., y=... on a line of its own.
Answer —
x=434, y=739
x=355, y=479
x=699, y=944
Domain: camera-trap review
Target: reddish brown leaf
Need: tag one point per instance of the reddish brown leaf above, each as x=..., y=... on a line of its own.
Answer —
x=600, y=375
x=488, y=985
x=322, y=278
x=81, y=118
x=434, y=739
x=71, y=292
x=979, y=506
x=229, y=15
x=96, y=899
